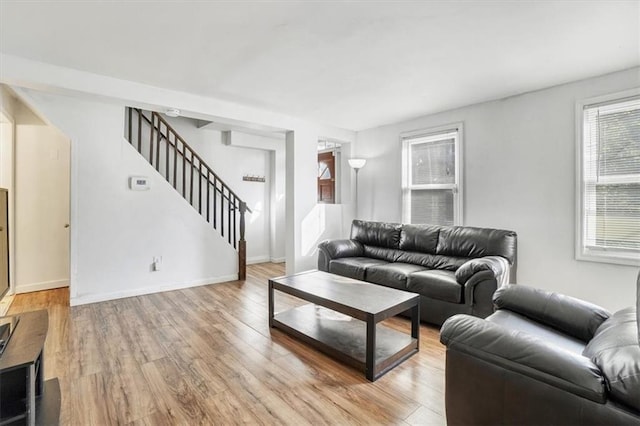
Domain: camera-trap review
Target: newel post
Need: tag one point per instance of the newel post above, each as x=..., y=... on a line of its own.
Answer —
x=242, y=246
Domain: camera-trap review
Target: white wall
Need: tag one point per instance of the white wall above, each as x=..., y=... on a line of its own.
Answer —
x=116, y=232
x=42, y=165
x=278, y=206
x=276, y=181
x=310, y=223
x=230, y=163
x=519, y=174
x=25, y=73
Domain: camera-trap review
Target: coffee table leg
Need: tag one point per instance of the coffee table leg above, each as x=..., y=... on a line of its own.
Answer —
x=31, y=395
x=270, y=304
x=415, y=323
x=371, y=349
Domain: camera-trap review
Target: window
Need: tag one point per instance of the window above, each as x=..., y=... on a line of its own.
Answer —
x=609, y=180
x=432, y=176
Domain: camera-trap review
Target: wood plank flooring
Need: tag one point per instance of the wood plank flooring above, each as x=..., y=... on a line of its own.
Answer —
x=206, y=355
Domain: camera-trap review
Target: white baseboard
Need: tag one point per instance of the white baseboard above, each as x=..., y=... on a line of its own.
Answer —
x=45, y=285
x=278, y=259
x=95, y=298
x=257, y=259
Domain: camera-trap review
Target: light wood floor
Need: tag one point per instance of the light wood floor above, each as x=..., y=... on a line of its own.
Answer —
x=206, y=355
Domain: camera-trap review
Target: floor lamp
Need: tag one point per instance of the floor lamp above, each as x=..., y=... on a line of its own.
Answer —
x=356, y=164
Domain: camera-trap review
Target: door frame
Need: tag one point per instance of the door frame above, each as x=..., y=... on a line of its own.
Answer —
x=11, y=203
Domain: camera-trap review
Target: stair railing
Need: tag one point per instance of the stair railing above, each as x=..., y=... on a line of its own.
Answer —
x=155, y=139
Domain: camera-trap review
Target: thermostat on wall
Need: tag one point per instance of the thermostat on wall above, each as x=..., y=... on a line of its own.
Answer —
x=138, y=183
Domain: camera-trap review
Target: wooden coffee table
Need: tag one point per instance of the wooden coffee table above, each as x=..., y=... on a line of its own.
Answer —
x=348, y=330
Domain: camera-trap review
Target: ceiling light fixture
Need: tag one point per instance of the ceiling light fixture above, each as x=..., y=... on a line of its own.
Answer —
x=173, y=112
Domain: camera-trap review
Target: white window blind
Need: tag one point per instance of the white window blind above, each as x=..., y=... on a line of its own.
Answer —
x=431, y=178
x=610, y=190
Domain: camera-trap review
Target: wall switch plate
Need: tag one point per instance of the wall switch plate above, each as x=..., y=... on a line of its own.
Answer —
x=157, y=263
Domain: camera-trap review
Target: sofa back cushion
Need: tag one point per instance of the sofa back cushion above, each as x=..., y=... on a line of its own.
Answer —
x=615, y=350
x=433, y=246
x=431, y=261
x=419, y=238
x=377, y=234
x=470, y=242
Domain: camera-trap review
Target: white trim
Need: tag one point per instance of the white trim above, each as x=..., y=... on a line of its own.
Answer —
x=44, y=285
x=278, y=259
x=617, y=258
x=94, y=298
x=257, y=259
x=11, y=204
x=583, y=253
x=420, y=133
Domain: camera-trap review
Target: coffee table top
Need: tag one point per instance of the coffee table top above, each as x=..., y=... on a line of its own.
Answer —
x=348, y=293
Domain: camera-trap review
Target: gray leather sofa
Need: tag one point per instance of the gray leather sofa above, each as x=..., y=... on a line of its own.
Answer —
x=455, y=269
x=543, y=358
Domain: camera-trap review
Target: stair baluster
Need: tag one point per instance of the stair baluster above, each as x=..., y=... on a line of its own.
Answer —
x=168, y=139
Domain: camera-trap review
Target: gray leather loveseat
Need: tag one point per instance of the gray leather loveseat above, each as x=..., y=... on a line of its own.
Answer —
x=543, y=358
x=455, y=269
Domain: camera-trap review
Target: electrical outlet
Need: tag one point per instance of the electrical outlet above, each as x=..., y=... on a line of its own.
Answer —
x=157, y=263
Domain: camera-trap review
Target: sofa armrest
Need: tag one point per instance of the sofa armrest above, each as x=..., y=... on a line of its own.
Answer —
x=335, y=249
x=478, y=293
x=572, y=316
x=524, y=354
x=496, y=264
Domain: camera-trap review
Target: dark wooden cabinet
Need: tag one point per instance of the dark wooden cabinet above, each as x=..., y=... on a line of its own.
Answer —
x=25, y=397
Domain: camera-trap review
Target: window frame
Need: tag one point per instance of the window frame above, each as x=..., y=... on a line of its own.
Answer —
x=582, y=252
x=409, y=138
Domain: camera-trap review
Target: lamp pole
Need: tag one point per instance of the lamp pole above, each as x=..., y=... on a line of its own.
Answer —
x=356, y=202
x=356, y=164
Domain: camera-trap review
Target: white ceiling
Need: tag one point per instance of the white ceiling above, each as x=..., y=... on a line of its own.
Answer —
x=349, y=64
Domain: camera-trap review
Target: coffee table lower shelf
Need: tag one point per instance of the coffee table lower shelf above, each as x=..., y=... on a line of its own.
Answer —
x=345, y=338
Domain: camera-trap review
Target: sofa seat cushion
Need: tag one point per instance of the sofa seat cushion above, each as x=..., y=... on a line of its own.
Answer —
x=391, y=274
x=513, y=321
x=353, y=267
x=436, y=284
x=615, y=350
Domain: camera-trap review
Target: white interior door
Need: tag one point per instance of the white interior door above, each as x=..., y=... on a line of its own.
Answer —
x=42, y=167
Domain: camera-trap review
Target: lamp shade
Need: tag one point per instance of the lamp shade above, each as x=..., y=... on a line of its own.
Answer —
x=357, y=163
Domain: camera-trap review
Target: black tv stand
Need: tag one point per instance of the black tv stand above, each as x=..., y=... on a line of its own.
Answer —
x=25, y=398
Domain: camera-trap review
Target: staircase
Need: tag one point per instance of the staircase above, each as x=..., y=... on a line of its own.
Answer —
x=178, y=163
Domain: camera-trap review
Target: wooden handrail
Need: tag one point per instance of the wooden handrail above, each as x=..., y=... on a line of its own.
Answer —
x=198, y=171
x=175, y=146
x=191, y=150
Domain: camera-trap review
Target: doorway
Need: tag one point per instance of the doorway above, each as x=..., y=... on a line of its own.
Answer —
x=6, y=210
x=326, y=178
x=42, y=208
x=41, y=165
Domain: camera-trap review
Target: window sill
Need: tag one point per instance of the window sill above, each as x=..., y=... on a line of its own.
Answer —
x=616, y=258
